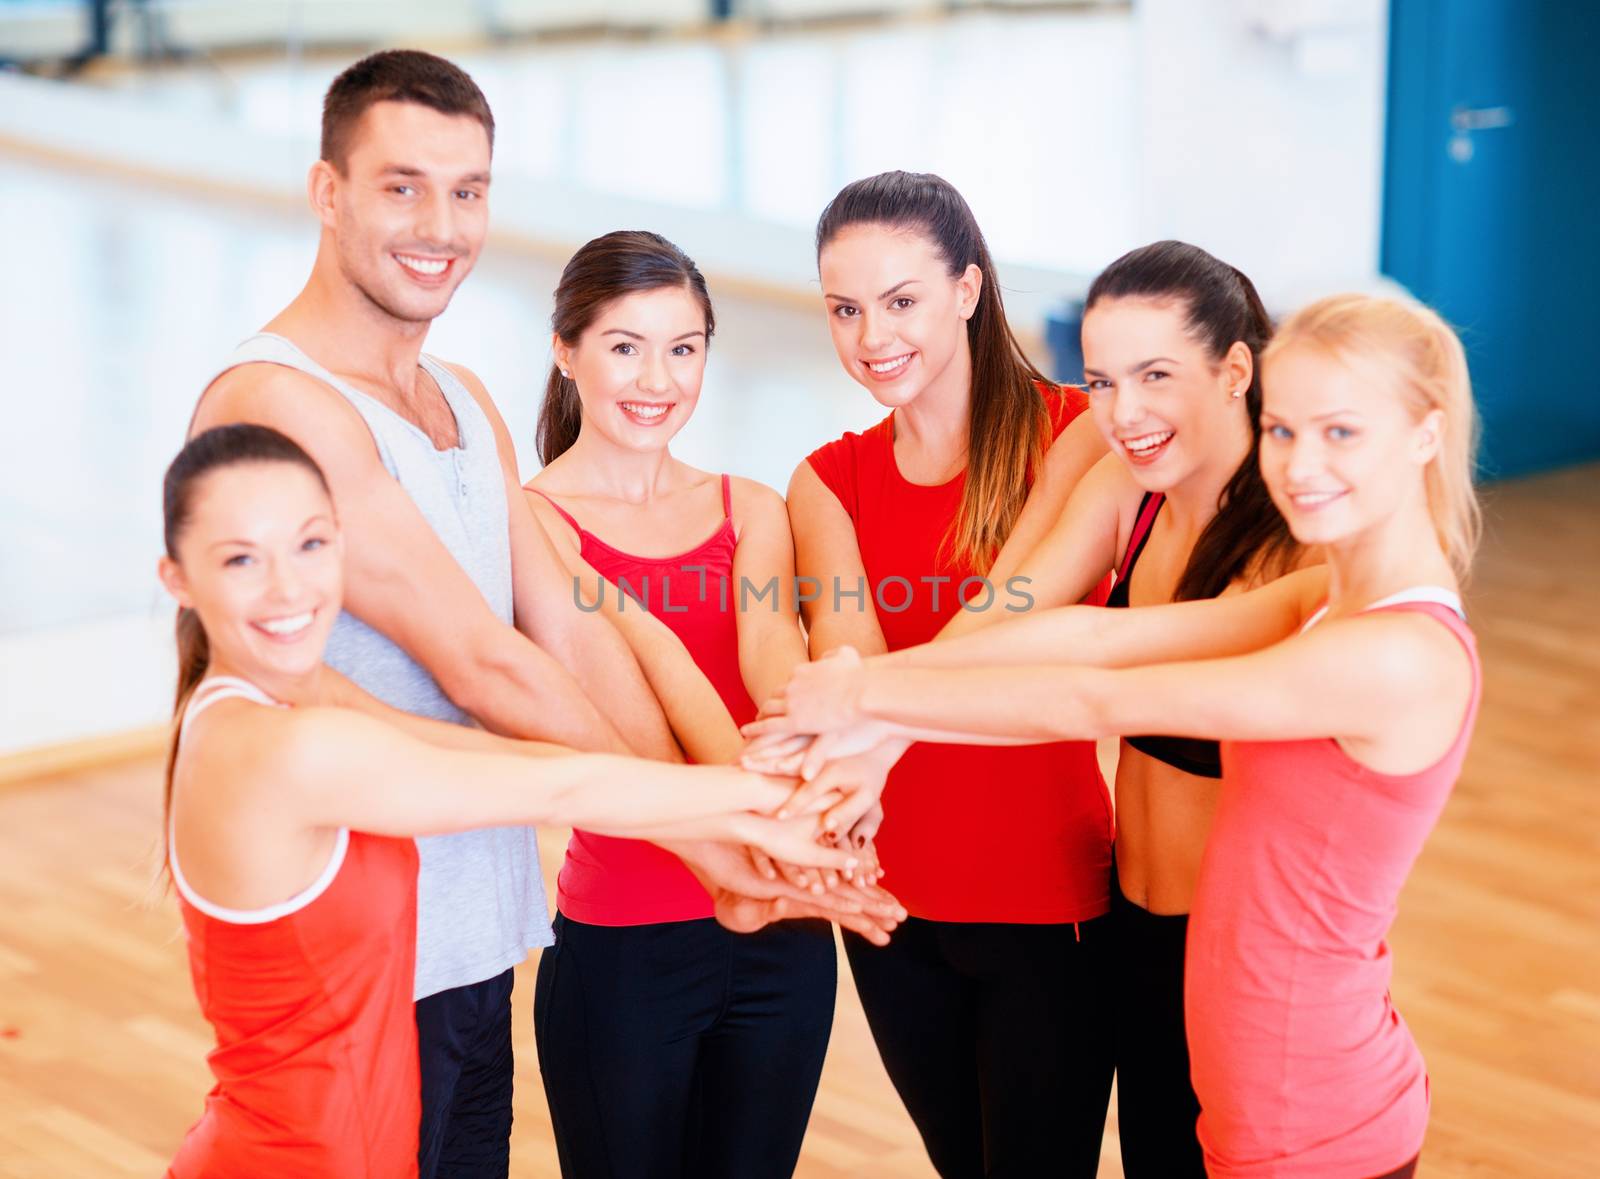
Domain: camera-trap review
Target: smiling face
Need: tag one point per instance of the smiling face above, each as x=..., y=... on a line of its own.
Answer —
x=411, y=210
x=639, y=365
x=898, y=319
x=1165, y=405
x=1340, y=452
x=259, y=560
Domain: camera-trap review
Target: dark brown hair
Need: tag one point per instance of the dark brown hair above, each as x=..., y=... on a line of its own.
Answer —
x=397, y=75
x=1221, y=308
x=602, y=271
x=1009, y=423
x=213, y=450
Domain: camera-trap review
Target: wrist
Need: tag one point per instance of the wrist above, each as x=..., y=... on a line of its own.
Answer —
x=766, y=794
x=738, y=827
x=871, y=697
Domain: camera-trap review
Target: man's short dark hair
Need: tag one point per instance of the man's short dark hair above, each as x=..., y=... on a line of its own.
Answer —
x=397, y=75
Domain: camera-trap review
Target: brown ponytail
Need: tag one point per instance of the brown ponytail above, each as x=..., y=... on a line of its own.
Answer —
x=194, y=655
x=601, y=272
x=1221, y=308
x=214, y=450
x=1008, y=422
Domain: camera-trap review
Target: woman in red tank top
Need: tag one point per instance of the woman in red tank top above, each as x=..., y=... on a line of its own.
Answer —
x=1343, y=725
x=669, y=1046
x=283, y=823
x=985, y=1006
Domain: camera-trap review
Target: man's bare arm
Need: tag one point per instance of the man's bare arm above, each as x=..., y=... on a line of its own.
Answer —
x=399, y=577
x=546, y=606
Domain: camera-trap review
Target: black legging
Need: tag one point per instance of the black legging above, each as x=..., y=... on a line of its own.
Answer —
x=681, y=1050
x=997, y=1038
x=1156, y=1105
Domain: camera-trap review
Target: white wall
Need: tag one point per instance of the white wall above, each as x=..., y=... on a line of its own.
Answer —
x=1262, y=135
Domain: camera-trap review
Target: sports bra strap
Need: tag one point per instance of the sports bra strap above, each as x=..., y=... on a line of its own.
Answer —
x=727, y=498
x=1435, y=594
x=565, y=515
x=1142, y=524
x=221, y=687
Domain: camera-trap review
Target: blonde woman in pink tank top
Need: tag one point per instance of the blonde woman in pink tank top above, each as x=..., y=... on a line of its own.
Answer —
x=1344, y=697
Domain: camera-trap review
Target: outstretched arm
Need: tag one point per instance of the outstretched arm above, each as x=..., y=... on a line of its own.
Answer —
x=1370, y=681
x=1097, y=636
x=351, y=770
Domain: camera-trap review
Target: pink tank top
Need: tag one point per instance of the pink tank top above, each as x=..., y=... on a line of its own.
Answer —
x=1303, y=1067
x=607, y=881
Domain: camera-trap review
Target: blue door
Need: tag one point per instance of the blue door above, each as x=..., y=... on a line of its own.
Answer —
x=1492, y=208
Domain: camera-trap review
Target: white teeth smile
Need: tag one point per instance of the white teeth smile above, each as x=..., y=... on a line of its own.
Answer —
x=287, y=626
x=1147, y=443
x=888, y=366
x=427, y=266
x=1314, y=499
x=645, y=411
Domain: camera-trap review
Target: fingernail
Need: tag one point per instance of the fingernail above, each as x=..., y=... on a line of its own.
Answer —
x=851, y=863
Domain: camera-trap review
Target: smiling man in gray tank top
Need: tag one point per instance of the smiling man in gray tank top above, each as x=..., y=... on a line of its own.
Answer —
x=456, y=606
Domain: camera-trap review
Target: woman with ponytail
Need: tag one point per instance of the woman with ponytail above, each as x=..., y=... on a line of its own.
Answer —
x=669, y=1045
x=290, y=800
x=1344, y=698
x=986, y=1007
x=1172, y=343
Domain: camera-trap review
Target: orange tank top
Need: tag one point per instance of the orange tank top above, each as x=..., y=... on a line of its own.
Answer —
x=316, y=1057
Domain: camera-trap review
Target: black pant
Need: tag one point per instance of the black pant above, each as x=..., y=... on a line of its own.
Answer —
x=996, y=1038
x=681, y=1049
x=1156, y=1105
x=464, y=1043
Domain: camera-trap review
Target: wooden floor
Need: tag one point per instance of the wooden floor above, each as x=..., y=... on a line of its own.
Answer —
x=1497, y=948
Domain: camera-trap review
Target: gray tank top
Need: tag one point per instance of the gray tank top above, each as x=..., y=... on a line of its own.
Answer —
x=480, y=894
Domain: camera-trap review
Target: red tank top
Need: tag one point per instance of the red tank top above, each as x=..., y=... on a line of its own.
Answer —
x=316, y=1058
x=608, y=881
x=1303, y=1067
x=971, y=833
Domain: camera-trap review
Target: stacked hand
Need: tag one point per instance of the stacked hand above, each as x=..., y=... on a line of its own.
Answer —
x=749, y=891
x=813, y=856
x=817, y=719
x=814, y=728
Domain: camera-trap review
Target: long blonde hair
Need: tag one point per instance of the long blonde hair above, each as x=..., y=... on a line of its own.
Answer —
x=1407, y=347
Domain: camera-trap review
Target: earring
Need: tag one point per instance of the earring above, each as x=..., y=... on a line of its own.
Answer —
x=1238, y=393
x=568, y=375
